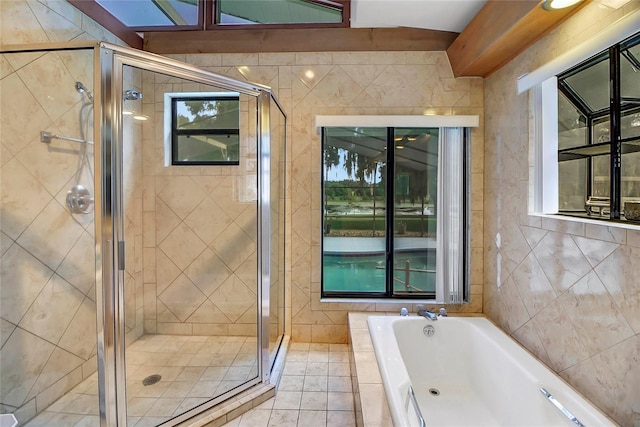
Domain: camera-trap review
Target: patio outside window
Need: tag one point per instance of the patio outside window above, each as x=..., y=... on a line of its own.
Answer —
x=384, y=211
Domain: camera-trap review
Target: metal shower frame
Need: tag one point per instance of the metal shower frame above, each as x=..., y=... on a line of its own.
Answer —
x=108, y=63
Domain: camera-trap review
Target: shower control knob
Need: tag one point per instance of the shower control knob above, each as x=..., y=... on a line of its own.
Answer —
x=79, y=200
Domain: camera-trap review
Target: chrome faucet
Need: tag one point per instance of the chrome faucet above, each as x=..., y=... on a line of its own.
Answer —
x=426, y=313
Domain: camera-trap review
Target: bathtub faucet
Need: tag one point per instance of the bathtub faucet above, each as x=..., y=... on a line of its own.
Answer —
x=426, y=313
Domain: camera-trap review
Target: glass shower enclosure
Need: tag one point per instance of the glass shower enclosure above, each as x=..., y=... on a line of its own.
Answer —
x=142, y=226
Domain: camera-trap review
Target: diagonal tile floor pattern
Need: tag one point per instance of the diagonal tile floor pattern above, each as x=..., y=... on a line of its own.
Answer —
x=193, y=370
x=315, y=390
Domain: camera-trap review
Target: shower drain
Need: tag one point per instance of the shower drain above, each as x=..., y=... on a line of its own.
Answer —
x=151, y=379
x=434, y=392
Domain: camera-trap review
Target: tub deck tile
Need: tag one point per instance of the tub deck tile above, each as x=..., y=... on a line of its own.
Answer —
x=370, y=400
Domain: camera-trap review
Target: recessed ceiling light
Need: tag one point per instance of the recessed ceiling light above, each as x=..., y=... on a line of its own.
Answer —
x=558, y=4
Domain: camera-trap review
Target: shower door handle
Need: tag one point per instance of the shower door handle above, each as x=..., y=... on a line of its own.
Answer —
x=121, y=256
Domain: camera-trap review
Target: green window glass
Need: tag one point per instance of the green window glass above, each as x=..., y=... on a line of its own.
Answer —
x=205, y=130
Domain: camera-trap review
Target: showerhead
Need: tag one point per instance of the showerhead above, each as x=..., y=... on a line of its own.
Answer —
x=132, y=95
x=83, y=90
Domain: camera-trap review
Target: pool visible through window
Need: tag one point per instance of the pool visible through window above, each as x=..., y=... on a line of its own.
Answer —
x=380, y=211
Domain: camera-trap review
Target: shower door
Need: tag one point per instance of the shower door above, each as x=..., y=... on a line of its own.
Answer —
x=186, y=215
x=142, y=216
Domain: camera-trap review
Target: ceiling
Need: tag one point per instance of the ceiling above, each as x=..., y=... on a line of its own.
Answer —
x=442, y=15
x=479, y=36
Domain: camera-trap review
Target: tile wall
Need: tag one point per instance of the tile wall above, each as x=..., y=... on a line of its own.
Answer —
x=200, y=239
x=349, y=83
x=47, y=283
x=132, y=224
x=341, y=83
x=568, y=291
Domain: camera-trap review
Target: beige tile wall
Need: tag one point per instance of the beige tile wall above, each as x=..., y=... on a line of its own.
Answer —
x=568, y=291
x=310, y=84
x=47, y=283
x=342, y=83
x=132, y=196
x=200, y=224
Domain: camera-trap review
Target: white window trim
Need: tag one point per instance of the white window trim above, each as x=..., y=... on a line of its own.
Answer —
x=623, y=28
x=545, y=131
x=454, y=292
x=168, y=97
x=427, y=121
x=543, y=87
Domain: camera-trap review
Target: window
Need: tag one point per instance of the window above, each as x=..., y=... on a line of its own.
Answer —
x=168, y=15
x=393, y=217
x=599, y=134
x=153, y=13
x=278, y=12
x=205, y=129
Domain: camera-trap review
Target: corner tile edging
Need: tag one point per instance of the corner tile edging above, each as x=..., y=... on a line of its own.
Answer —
x=372, y=411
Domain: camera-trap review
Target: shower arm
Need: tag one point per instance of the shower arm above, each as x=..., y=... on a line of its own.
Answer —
x=46, y=137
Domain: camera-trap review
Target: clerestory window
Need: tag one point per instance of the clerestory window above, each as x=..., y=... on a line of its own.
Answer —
x=278, y=12
x=159, y=15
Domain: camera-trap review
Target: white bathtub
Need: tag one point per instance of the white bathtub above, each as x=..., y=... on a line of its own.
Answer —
x=483, y=377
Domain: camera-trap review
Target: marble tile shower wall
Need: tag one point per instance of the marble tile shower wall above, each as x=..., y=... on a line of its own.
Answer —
x=200, y=239
x=568, y=291
x=310, y=84
x=47, y=283
x=47, y=279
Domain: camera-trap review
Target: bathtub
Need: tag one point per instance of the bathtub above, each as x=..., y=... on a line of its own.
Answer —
x=464, y=371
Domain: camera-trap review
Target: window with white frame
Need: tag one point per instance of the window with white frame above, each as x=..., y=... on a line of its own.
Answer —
x=599, y=134
x=586, y=128
x=395, y=209
x=203, y=128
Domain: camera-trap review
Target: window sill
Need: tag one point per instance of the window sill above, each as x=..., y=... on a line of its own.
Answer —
x=396, y=301
x=600, y=222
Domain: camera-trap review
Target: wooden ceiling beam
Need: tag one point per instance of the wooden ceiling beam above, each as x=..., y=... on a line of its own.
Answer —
x=501, y=31
x=297, y=40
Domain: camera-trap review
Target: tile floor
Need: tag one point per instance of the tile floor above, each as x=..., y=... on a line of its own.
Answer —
x=193, y=369
x=315, y=390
